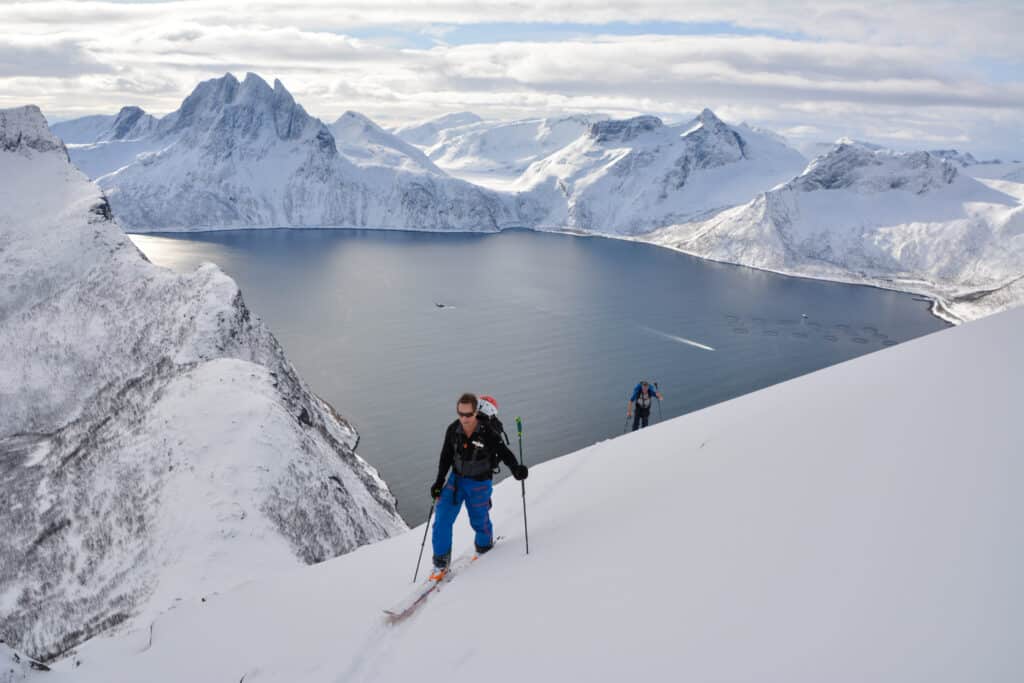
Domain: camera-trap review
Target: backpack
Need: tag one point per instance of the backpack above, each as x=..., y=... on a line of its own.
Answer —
x=487, y=415
x=642, y=403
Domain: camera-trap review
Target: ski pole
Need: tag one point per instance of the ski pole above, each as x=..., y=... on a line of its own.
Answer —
x=526, y=529
x=422, y=545
x=657, y=391
x=625, y=425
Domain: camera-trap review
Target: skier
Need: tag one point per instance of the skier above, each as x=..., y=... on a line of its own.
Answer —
x=642, y=397
x=471, y=451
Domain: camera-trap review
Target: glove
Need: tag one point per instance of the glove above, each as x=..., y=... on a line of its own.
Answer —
x=435, y=490
x=520, y=472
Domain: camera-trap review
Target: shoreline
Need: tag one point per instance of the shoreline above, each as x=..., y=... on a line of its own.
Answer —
x=939, y=306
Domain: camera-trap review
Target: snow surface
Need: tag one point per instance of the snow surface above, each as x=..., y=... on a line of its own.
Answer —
x=823, y=529
x=903, y=221
x=495, y=153
x=155, y=443
x=426, y=133
x=364, y=143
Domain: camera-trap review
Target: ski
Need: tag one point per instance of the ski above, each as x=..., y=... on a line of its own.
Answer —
x=408, y=607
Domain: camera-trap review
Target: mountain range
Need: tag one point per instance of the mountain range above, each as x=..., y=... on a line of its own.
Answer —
x=909, y=221
x=245, y=154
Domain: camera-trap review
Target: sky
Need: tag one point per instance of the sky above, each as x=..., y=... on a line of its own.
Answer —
x=909, y=75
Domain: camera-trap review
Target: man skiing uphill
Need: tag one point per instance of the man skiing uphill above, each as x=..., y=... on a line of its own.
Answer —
x=471, y=451
x=642, y=398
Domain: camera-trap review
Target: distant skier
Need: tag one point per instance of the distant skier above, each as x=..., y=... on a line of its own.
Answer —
x=471, y=451
x=642, y=398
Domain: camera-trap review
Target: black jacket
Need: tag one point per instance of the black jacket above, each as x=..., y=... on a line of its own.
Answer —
x=474, y=457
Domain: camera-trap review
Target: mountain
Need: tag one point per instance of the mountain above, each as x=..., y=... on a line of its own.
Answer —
x=426, y=133
x=908, y=221
x=505, y=148
x=156, y=445
x=243, y=154
x=364, y=143
x=822, y=529
x=128, y=124
x=962, y=159
x=631, y=176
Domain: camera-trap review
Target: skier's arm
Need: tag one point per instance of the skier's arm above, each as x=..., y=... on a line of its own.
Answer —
x=445, y=461
x=505, y=453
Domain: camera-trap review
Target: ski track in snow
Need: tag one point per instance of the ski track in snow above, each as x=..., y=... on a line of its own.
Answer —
x=681, y=340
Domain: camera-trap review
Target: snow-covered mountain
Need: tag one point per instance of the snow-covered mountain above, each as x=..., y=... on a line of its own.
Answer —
x=631, y=176
x=128, y=124
x=364, y=143
x=908, y=221
x=823, y=529
x=426, y=133
x=503, y=149
x=155, y=443
x=243, y=154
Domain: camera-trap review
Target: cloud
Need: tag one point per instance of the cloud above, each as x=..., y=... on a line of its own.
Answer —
x=62, y=57
x=855, y=69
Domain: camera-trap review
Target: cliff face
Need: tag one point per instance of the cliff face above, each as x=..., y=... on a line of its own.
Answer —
x=155, y=443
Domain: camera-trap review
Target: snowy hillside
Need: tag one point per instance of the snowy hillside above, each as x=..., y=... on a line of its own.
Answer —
x=495, y=153
x=904, y=221
x=155, y=443
x=631, y=176
x=100, y=144
x=426, y=133
x=819, y=530
x=243, y=155
x=364, y=143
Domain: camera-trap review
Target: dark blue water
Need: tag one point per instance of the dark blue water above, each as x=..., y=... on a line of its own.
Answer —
x=558, y=328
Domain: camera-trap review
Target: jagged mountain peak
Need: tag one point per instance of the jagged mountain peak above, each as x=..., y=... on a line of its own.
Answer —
x=227, y=108
x=708, y=118
x=354, y=117
x=713, y=142
x=131, y=120
x=24, y=130
x=621, y=130
x=855, y=166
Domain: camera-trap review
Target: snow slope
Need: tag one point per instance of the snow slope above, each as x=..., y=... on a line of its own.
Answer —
x=822, y=529
x=631, y=176
x=904, y=221
x=364, y=143
x=495, y=153
x=426, y=133
x=100, y=144
x=155, y=443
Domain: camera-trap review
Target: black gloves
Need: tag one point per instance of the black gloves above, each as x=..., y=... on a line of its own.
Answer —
x=520, y=472
x=435, y=490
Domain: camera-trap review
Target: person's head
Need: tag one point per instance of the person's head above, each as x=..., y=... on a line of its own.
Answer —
x=644, y=387
x=466, y=407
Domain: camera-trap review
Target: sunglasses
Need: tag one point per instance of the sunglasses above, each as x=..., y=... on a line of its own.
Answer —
x=462, y=414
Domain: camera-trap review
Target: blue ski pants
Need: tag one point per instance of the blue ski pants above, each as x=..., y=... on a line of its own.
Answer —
x=477, y=496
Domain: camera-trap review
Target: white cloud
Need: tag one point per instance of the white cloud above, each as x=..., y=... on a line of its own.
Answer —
x=860, y=69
